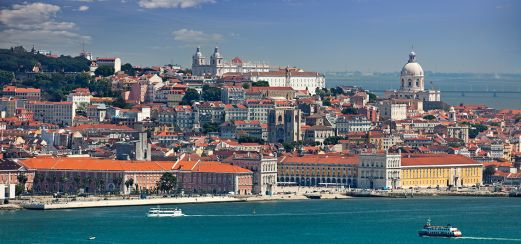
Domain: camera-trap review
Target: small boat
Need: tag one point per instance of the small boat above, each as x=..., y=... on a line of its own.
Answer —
x=92, y=238
x=313, y=195
x=439, y=231
x=165, y=212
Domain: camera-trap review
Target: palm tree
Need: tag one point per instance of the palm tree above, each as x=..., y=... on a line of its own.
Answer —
x=61, y=186
x=77, y=180
x=37, y=180
x=99, y=184
x=53, y=180
x=117, y=183
x=88, y=181
x=129, y=183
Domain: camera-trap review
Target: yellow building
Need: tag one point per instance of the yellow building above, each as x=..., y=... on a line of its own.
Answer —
x=318, y=170
x=439, y=170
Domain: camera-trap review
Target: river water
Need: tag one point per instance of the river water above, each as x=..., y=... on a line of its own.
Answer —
x=487, y=83
x=358, y=220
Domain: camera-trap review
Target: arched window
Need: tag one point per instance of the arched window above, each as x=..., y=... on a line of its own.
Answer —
x=410, y=82
x=280, y=118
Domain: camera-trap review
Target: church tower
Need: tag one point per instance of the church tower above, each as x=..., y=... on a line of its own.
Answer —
x=452, y=114
x=216, y=59
x=198, y=58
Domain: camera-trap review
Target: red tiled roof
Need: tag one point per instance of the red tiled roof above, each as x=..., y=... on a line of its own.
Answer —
x=92, y=164
x=20, y=89
x=435, y=159
x=321, y=159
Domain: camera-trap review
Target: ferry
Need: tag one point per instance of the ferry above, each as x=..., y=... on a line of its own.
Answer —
x=165, y=212
x=439, y=231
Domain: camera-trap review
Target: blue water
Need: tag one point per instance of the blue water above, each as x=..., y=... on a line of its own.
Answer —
x=445, y=82
x=360, y=220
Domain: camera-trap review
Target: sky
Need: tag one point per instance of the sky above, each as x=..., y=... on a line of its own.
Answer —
x=316, y=35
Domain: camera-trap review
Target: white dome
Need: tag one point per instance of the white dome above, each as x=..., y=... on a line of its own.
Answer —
x=412, y=69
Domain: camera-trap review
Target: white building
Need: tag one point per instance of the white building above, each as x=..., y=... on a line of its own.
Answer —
x=379, y=170
x=217, y=66
x=59, y=113
x=296, y=79
x=352, y=123
x=112, y=62
x=80, y=97
x=392, y=110
x=413, y=83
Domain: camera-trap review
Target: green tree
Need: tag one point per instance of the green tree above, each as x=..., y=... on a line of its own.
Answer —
x=262, y=83
x=429, y=117
x=245, y=85
x=489, y=171
x=167, y=182
x=372, y=97
x=121, y=103
x=333, y=140
x=6, y=77
x=22, y=179
x=100, y=185
x=128, y=69
x=326, y=102
x=104, y=71
x=211, y=93
x=288, y=146
x=101, y=88
x=210, y=127
x=129, y=183
x=190, y=96
x=349, y=110
x=117, y=180
x=19, y=189
x=475, y=129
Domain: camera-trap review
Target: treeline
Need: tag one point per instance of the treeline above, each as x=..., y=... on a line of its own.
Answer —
x=17, y=59
x=56, y=86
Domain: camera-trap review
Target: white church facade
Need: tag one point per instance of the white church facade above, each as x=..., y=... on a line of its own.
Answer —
x=412, y=81
x=217, y=66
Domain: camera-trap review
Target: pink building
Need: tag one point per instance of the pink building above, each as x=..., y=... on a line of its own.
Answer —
x=101, y=175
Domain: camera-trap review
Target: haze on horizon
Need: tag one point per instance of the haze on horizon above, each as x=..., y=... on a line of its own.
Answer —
x=362, y=35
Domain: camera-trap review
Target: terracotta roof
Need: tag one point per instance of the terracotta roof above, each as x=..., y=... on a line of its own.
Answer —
x=92, y=164
x=101, y=126
x=20, y=89
x=321, y=159
x=218, y=167
x=435, y=159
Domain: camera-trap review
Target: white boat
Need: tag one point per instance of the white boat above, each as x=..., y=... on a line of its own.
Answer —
x=441, y=231
x=165, y=212
x=92, y=238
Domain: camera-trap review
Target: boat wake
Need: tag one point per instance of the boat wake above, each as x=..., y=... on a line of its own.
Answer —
x=488, y=238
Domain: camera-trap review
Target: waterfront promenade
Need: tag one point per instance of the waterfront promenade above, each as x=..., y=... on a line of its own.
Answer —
x=127, y=202
x=286, y=193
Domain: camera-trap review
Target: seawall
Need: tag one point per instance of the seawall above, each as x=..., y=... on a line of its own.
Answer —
x=131, y=202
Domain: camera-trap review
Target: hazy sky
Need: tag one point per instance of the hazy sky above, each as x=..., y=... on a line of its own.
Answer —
x=319, y=35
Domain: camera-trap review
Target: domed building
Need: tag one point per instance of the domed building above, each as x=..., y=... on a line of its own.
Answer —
x=412, y=82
